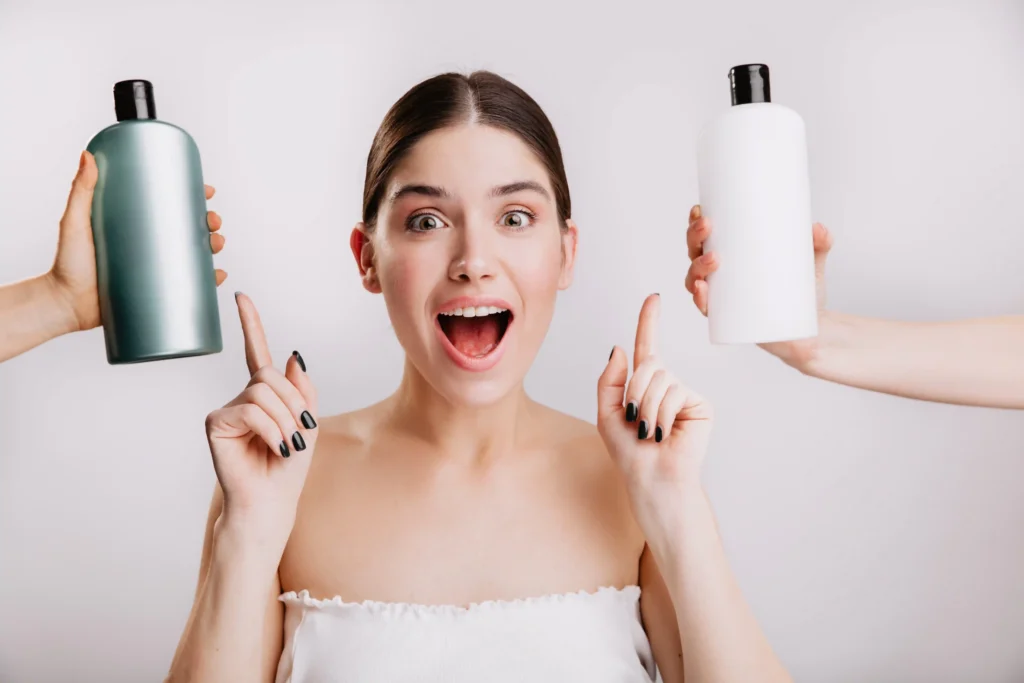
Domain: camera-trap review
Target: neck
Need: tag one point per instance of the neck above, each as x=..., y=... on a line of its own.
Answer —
x=464, y=432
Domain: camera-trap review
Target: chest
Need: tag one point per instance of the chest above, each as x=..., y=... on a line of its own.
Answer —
x=393, y=529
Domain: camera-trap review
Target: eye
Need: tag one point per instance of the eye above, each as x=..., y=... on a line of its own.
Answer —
x=425, y=222
x=518, y=219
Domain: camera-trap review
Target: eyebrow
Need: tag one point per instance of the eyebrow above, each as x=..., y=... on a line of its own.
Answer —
x=441, y=193
x=521, y=186
x=422, y=190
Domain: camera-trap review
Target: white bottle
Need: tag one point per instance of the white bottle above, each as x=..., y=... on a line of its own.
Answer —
x=755, y=191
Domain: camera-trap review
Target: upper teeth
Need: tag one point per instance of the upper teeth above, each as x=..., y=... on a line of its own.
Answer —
x=474, y=311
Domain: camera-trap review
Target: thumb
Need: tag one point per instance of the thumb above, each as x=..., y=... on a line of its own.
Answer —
x=822, y=245
x=611, y=386
x=78, y=212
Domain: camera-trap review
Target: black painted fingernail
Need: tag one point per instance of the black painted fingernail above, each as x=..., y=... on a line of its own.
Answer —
x=298, y=357
x=284, y=450
x=642, y=432
x=631, y=412
x=307, y=420
x=612, y=353
x=298, y=442
x=658, y=434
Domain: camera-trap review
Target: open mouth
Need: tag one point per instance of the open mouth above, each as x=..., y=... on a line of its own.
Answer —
x=475, y=331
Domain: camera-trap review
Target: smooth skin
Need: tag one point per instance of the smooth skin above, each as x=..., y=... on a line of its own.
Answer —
x=973, y=362
x=65, y=299
x=486, y=493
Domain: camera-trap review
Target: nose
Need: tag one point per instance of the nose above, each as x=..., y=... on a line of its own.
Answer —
x=473, y=260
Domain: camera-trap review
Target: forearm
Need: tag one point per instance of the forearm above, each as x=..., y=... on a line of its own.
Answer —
x=224, y=639
x=31, y=312
x=721, y=639
x=972, y=362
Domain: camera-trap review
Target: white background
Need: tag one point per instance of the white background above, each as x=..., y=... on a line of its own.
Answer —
x=878, y=539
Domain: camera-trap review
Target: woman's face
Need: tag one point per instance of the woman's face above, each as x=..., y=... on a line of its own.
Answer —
x=469, y=255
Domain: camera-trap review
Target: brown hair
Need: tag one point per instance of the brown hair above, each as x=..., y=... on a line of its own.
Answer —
x=449, y=99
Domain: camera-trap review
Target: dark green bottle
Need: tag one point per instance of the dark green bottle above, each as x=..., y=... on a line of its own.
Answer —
x=154, y=263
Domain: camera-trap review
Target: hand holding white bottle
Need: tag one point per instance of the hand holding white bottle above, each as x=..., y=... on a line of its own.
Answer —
x=755, y=191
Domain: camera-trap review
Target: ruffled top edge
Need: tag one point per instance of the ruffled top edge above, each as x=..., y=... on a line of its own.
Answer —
x=303, y=598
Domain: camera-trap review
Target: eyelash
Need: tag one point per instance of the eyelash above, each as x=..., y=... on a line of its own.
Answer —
x=530, y=214
x=412, y=220
x=410, y=223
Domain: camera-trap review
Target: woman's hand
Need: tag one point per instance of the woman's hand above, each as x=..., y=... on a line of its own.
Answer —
x=73, y=275
x=655, y=429
x=262, y=442
x=796, y=353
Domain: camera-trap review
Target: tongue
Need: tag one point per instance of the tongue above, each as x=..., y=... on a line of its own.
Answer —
x=475, y=337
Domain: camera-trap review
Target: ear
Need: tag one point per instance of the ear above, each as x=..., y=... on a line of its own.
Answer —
x=570, y=237
x=362, y=249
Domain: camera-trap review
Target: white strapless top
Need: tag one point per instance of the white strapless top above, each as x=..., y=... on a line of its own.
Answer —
x=594, y=637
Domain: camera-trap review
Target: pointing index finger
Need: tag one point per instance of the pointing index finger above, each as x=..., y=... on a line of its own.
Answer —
x=257, y=353
x=647, y=330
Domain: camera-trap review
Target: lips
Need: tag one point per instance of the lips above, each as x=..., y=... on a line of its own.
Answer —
x=472, y=331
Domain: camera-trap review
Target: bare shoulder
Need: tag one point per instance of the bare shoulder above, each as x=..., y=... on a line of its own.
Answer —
x=348, y=433
x=592, y=476
x=344, y=443
x=572, y=436
x=579, y=450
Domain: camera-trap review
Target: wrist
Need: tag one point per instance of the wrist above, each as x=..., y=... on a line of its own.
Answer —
x=663, y=515
x=241, y=540
x=58, y=309
x=826, y=351
x=805, y=355
x=689, y=519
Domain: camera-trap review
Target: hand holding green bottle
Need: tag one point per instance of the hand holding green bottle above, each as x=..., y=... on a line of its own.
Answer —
x=73, y=274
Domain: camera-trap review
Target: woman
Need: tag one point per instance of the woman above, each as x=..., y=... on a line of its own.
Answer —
x=65, y=298
x=977, y=362
x=457, y=530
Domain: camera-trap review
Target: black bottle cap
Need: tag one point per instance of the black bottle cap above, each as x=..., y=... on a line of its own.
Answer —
x=134, y=100
x=750, y=83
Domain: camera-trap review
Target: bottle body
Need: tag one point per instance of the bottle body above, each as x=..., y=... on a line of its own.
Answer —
x=754, y=188
x=154, y=263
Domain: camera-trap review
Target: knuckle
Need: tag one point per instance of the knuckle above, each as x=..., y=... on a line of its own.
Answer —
x=265, y=392
x=251, y=414
x=264, y=374
x=638, y=381
x=635, y=393
x=647, y=366
x=674, y=398
x=252, y=392
x=250, y=410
